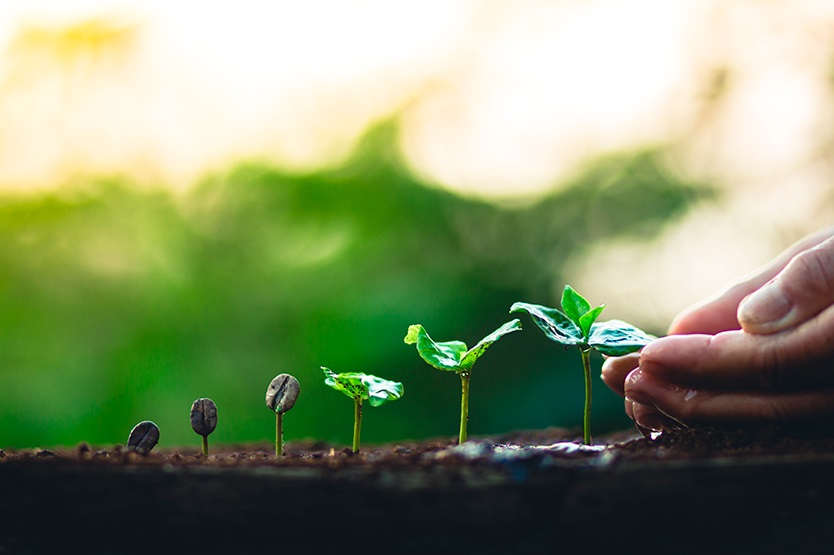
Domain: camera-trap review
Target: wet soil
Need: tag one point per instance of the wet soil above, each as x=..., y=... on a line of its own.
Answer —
x=723, y=490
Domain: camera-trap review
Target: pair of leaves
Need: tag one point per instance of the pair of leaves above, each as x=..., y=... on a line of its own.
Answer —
x=577, y=326
x=377, y=391
x=453, y=356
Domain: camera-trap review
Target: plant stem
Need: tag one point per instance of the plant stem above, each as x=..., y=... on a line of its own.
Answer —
x=205, y=446
x=464, y=405
x=279, y=434
x=357, y=422
x=586, y=423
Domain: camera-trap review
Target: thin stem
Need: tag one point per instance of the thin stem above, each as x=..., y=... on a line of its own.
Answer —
x=205, y=446
x=279, y=434
x=586, y=423
x=464, y=405
x=357, y=422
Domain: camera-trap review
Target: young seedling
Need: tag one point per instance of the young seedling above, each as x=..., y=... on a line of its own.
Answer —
x=143, y=437
x=576, y=325
x=281, y=394
x=452, y=356
x=204, y=419
x=359, y=387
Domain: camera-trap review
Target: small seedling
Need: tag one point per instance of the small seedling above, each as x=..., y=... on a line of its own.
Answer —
x=281, y=394
x=358, y=387
x=576, y=325
x=204, y=419
x=143, y=437
x=452, y=356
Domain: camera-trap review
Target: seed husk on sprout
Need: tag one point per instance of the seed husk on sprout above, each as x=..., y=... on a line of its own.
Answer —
x=281, y=394
x=204, y=419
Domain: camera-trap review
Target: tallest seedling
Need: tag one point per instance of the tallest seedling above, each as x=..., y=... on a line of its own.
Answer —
x=577, y=326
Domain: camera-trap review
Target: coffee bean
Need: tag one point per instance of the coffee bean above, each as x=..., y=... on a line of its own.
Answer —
x=204, y=416
x=282, y=393
x=143, y=437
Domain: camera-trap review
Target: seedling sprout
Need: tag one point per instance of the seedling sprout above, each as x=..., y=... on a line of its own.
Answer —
x=576, y=325
x=281, y=394
x=359, y=387
x=204, y=419
x=452, y=356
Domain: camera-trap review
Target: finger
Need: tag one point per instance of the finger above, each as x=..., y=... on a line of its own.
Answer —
x=800, y=358
x=615, y=370
x=649, y=418
x=800, y=291
x=715, y=314
x=720, y=312
x=699, y=407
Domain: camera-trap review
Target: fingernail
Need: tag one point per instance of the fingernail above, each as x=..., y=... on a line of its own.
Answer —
x=632, y=389
x=644, y=390
x=633, y=378
x=765, y=306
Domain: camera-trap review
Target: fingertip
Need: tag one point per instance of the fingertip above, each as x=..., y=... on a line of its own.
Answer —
x=800, y=291
x=608, y=370
x=712, y=315
x=633, y=379
x=642, y=389
x=607, y=381
x=615, y=369
x=767, y=310
x=675, y=355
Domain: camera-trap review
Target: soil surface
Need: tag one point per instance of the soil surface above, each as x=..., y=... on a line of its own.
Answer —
x=726, y=490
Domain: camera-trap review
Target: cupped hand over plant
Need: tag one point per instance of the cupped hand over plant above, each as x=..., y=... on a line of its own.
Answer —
x=759, y=351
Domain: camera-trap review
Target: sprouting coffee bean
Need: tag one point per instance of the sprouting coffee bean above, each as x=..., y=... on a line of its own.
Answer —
x=204, y=416
x=143, y=437
x=282, y=393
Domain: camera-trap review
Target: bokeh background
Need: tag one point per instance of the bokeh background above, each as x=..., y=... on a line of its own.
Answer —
x=197, y=196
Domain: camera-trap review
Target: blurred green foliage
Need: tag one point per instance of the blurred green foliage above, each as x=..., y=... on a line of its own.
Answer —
x=121, y=303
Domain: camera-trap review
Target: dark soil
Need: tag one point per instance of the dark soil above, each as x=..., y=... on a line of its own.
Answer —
x=768, y=490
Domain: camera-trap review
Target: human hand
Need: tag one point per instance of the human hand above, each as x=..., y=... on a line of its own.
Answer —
x=761, y=350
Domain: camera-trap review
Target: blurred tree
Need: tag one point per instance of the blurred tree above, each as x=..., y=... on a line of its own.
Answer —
x=120, y=303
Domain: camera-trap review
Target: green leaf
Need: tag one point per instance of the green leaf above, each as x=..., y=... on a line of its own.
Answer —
x=587, y=320
x=475, y=352
x=445, y=356
x=365, y=386
x=380, y=390
x=554, y=323
x=616, y=338
x=613, y=338
x=574, y=304
x=452, y=356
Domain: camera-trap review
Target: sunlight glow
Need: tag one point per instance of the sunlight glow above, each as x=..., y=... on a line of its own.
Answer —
x=551, y=88
x=500, y=100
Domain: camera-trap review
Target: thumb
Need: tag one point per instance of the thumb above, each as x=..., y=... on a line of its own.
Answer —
x=799, y=292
